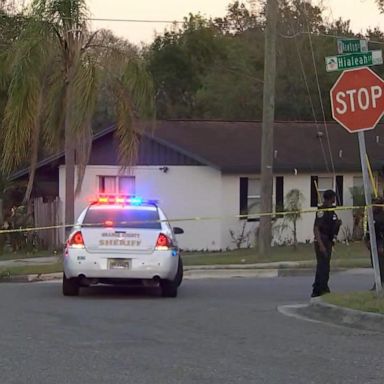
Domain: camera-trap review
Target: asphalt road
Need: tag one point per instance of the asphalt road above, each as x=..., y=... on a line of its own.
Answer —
x=216, y=331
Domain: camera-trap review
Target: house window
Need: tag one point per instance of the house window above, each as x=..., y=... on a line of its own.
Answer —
x=117, y=184
x=319, y=184
x=279, y=194
x=250, y=195
x=324, y=183
x=254, y=196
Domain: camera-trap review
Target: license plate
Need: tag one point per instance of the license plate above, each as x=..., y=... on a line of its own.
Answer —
x=119, y=263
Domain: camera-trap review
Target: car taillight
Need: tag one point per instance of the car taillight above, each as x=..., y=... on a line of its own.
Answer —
x=163, y=243
x=76, y=240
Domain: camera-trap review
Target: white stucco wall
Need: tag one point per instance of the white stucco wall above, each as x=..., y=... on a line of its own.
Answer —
x=305, y=223
x=230, y=208
x=188, y=192
x=230, y=211
x=184, y=192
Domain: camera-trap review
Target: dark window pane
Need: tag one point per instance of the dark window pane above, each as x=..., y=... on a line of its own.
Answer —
x=339, y=190
x=279, y=197
x=123, y=217
x=243, y=195
x=314, y=198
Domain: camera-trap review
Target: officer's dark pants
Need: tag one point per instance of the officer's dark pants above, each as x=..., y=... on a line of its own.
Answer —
x=320, y=285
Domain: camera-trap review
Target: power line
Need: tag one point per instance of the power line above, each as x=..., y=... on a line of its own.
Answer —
x=151, y=21
x=299, y=33
x=135, y=20
x=319, y=92
x=310, y=98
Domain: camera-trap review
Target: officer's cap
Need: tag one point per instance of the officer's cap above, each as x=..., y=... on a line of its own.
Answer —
x=329, y=194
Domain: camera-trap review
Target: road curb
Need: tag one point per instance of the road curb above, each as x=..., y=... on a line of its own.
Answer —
x=345, y=316
x=195, y=272
x=230, y=273
x=203, y=273
x=31, y=278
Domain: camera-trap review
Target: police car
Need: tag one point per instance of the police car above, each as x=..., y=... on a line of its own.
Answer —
x=122, y=240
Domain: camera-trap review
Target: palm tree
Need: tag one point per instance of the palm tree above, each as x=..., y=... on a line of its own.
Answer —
x=55, y=69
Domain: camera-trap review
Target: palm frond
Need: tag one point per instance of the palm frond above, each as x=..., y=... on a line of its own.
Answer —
x=34, y=150
x=69, y=14
x=53, y=116
x=125, y=135
x=84, y=93
x=23, y=100
x=4, y=75
x=132, y=87
x=140, y=86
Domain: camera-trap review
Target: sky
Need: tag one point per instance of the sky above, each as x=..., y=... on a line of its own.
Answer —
x=362, y=13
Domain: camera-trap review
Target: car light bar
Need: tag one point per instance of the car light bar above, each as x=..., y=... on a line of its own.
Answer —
x=122, y=199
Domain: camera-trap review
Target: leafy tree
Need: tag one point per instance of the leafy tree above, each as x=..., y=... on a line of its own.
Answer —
x=55, y=68
x=214, y=68
x=238, y=19
x=233, y=88
x=178, y=61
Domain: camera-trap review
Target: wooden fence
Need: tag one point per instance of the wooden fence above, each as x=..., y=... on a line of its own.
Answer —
x=47, y=214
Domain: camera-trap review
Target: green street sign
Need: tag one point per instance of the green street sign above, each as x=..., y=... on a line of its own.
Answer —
x=351, y=46
x=353, y=60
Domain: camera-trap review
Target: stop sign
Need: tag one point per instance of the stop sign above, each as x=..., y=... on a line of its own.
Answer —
x=357, y=99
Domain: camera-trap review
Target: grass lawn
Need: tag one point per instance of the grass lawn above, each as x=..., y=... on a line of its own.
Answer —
x=355, y=254
x=344, y=256
x=362, y=301
x=25, y=254
x=31, y=269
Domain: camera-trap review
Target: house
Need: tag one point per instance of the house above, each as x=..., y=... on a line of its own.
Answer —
x=206, y=173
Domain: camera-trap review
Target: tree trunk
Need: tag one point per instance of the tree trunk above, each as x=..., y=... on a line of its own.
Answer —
x=265, y=230
x=294, y=234
x=1, y=213
x=69, y=149
x=34, y=151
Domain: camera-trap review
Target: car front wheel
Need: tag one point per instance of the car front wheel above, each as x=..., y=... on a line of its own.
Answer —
x=180, y=272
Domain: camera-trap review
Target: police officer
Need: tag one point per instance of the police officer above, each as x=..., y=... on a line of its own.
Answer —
x=378, y=218
x=325, y=229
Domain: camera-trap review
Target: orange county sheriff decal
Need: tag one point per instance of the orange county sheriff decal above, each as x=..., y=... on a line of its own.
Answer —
x=120, y=242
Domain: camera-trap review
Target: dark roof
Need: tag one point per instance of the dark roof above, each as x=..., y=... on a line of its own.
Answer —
x=235, y=147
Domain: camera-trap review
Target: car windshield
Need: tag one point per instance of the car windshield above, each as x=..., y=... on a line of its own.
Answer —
x=123, y=217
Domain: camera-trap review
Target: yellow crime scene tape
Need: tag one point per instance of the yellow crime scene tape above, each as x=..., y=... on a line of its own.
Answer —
x=196, y=218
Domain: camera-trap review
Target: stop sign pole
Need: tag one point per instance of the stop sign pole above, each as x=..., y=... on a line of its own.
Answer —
x=368, y=201
x=357, y=100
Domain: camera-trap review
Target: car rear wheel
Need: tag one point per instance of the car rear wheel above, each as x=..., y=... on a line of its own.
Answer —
x=168, y=288
x=70, y=286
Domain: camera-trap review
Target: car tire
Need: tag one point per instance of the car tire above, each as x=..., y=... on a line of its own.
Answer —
x=168, y=288
x=70, y=286
x=180, y=273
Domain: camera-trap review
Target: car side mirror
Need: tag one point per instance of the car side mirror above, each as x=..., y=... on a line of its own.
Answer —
x=178, y=231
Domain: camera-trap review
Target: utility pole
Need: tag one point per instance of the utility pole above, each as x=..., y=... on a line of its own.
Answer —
x=265, y=229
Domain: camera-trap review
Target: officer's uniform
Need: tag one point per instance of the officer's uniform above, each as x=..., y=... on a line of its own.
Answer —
x=328, y=225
